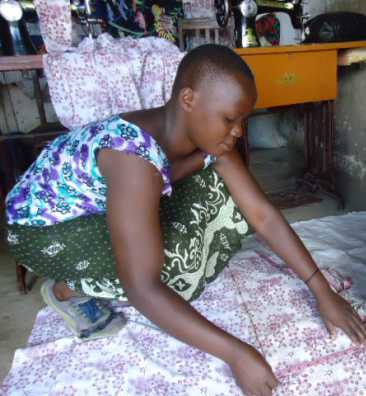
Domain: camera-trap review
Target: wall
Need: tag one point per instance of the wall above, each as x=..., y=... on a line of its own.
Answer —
x=351, y=136
x=351, y=122
x=350, y=117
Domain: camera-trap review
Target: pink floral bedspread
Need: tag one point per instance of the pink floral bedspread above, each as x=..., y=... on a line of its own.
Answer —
x=256, y=298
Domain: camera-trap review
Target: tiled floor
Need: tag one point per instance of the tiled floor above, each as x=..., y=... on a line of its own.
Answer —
x=275, y=170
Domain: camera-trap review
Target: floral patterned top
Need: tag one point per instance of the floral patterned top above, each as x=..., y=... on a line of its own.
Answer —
x=65, y=181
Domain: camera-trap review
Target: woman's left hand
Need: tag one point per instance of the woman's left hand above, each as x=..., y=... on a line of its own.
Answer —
x=337, y=312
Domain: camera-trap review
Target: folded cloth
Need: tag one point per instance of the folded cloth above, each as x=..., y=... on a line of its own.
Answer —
x=107, y=76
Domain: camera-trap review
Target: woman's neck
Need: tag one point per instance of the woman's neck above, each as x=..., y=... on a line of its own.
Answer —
x=166, y=125
x=173, y=133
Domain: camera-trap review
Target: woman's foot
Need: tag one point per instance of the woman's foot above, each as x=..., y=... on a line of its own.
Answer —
x=62, y=292
x=83, y=315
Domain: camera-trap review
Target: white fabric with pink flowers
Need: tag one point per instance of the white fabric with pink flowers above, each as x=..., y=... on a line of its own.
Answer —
x=256, y=298
x=107, y=76
x=103, y=76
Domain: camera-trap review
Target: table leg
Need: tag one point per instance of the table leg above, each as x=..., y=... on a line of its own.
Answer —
x=320, y=172
x=21, y=273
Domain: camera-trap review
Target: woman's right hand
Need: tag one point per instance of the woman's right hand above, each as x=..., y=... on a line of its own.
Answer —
x=252, y=373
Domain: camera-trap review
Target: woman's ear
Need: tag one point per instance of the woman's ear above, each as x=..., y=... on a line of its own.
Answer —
x=186, y=99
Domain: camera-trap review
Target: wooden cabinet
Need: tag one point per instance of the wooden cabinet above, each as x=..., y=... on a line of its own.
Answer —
x=295, y=74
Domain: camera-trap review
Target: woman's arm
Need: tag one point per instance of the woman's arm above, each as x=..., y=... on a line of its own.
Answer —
x=266, y=219
x=274, y=229
x=134, y=188
x=134, y=191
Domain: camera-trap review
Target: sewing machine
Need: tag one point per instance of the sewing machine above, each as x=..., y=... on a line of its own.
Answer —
x=14, y=36
x=245, y=13
x=16, y=15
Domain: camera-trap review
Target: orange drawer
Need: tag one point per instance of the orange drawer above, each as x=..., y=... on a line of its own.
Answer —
x=293, y=77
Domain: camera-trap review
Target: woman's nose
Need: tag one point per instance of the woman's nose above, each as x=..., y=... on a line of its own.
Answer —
x=237, y=131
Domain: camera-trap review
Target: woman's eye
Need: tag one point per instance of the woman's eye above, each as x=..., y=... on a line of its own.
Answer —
x=229, y=120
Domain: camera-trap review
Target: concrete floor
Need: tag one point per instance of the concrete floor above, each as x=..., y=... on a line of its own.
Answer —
x=274, y=169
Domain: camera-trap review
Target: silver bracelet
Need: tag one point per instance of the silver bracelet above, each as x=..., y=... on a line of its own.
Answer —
x=208, y=159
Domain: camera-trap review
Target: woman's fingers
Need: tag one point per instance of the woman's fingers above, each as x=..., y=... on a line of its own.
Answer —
x=266, y=391
x=272, y=382
x=331, y=328
x=359, y=327
x=359, y=320
x=352, y=331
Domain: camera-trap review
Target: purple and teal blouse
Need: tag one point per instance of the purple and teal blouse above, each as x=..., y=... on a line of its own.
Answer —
x=65, y=181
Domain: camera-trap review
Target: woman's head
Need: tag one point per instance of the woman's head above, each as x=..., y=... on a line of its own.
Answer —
x=216, y=91
x=207, y=63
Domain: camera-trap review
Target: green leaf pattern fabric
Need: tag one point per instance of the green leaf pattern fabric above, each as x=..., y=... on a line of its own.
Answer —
x=202, y=228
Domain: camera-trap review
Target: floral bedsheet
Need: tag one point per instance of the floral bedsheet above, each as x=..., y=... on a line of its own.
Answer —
x=256, y=298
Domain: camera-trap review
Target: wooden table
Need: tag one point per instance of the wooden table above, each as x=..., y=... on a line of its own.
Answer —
x=304, y=74
x=288, y=75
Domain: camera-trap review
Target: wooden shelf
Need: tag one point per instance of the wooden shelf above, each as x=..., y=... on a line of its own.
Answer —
x=21, y=62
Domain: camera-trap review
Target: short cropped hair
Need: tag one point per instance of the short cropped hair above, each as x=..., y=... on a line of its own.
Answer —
x=207, y=63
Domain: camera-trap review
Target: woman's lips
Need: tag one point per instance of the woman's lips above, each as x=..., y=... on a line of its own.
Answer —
x=224, y=148
x=227, y=147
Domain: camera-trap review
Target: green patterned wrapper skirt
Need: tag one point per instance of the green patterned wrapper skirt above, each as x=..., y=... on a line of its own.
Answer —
x=202, y=229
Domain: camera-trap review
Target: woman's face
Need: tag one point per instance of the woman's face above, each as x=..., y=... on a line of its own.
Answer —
x=219, y=110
